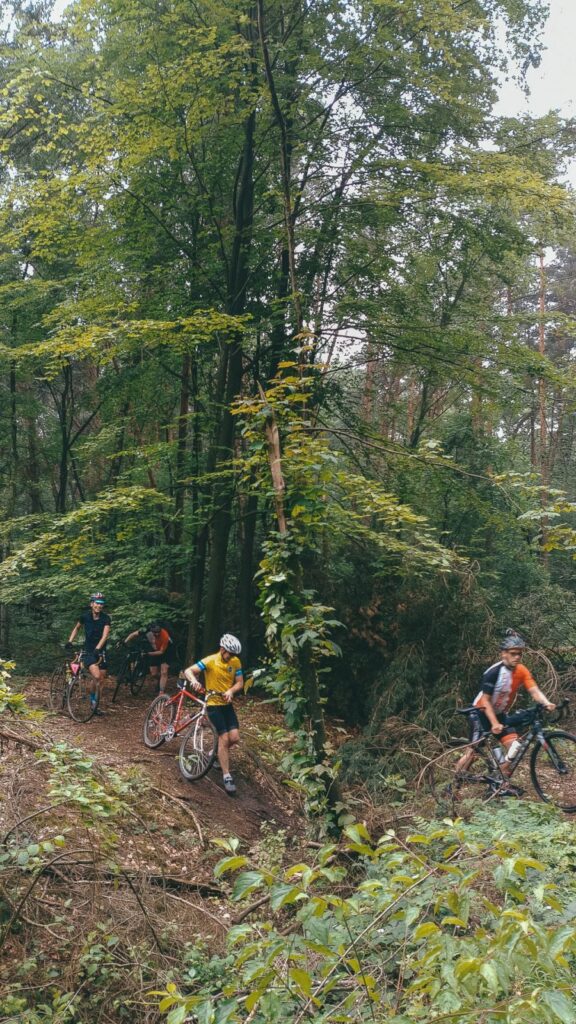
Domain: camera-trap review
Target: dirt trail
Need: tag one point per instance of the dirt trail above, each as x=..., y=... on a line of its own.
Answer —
x=116, y=741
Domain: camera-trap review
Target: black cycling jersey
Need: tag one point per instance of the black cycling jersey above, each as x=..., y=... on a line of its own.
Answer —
x=93, y=628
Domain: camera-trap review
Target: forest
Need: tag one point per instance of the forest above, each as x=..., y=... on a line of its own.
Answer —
x=286, y=340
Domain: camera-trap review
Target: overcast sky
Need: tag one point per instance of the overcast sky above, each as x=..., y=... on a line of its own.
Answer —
x=553, y=84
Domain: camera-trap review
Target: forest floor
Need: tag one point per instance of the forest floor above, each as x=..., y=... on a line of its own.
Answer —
x=131, y=848
x=139, y=844
x=115, y=741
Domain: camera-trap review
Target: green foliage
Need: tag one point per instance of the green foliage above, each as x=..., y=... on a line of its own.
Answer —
x=98, y=794
x=455, y=920
x=15, y=703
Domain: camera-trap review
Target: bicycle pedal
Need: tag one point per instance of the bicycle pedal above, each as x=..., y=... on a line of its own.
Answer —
x=504, y=791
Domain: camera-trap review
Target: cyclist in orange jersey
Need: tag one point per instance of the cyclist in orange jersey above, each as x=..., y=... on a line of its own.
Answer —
x=500, y=684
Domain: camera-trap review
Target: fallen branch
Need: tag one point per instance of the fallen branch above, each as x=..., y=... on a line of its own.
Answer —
x=198, y=906
x=28, y=817
x=253, y=906
x=179, y=801
x=15, y=737
x=162, y=881
x=262, y=767
x=16, y=912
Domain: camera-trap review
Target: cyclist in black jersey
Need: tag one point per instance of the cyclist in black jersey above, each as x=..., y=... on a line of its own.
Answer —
x=96, y=625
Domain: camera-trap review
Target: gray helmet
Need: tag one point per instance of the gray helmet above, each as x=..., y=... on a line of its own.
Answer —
x=511, y=642
x=230, y=643
x=97, y=598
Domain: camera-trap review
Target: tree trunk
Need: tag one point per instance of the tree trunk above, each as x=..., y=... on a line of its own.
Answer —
x=177, y=571
x=237, y=282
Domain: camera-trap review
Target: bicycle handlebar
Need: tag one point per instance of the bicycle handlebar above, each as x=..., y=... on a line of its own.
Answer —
x=561, y=710
x=530, y=713
x=184, y=683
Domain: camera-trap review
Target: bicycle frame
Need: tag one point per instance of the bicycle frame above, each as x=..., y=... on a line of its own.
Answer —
x=177, y=726
x=535, y=733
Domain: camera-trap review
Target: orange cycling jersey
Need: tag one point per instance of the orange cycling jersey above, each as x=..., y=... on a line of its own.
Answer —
x=501, y=685
x=161, y=641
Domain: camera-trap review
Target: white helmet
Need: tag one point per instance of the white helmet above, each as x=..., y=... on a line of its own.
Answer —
x=230, y=643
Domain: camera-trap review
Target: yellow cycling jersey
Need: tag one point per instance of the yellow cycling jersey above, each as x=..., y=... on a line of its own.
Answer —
x=219, y=675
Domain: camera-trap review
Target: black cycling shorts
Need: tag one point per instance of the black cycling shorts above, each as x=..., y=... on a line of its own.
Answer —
x=93, y=658
x=224, y=718
x=168, y=657
x=158, y=659
x=480, y=723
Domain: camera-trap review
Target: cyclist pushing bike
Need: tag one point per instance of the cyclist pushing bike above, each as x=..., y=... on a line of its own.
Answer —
x=221, y=672
x=500, y=684
x=161, y=654
x=96, y=625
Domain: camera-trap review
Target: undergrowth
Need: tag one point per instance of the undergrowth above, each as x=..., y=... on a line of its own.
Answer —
x=455, y=921
x=458, y=921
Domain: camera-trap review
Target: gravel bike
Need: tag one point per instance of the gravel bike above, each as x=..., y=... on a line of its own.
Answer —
x=552, y=762
x=169, y=716
x=133, y=670
x=70, y=688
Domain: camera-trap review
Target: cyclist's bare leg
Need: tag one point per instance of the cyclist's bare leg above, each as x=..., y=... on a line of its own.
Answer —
x=97, y=676
x=507, y=741
x=163, y=669
x=163, y=676
x=225, y=741
x=466, y=761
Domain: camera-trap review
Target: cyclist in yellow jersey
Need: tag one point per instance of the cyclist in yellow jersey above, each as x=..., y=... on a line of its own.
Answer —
x=221, y=672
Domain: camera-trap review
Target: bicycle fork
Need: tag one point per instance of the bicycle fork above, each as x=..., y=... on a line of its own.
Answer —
x=553, y=754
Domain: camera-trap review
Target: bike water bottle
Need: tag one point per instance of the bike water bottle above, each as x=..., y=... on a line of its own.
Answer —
x=514, y=748
x=499, y=754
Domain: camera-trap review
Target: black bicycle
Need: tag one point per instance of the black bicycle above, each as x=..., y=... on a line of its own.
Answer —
x=552, y=762
x=133, y=670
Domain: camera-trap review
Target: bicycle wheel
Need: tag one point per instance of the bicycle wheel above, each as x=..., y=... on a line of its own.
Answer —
x=198, y=749
x=78, y=698
x=138, y=675
x=160, y=715
x=553, y=770
x=57, y=691
x=451, y=788
x=122, y=677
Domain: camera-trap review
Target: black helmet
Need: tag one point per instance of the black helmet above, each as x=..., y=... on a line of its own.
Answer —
x=154, y=627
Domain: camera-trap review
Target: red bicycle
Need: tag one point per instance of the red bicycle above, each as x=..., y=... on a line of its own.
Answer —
x=168, y=716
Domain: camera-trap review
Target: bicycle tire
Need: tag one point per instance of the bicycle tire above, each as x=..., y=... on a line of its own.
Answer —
x=57, y=690
x=137, y=678
x=554, y=785
x=122, y=677
x=78, y=698
x=159, y=716
x=450, y=788
x=198, y=749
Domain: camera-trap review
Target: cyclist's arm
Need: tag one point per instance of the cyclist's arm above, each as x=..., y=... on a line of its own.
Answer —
x=237, y=686
x=485, y=704
x=102, y=642
x=194, y=675
x=540, y=698
x=72, y=636
x=132, y=636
